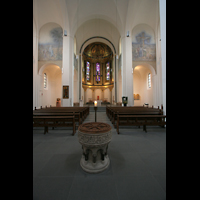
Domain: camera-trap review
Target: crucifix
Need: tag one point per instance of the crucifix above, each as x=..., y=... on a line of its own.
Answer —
x=142, y=38
x=97, y=77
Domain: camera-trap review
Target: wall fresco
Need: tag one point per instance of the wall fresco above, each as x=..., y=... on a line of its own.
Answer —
x=50, y=45
x=143, y=49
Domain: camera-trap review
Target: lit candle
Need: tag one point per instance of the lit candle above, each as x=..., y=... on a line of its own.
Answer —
x=95, y=103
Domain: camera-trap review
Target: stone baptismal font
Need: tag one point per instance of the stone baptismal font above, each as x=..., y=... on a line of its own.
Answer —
x=94, y=138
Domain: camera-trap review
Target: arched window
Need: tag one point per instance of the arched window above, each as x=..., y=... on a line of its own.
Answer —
x=88, y=71
x=107, y=71
x=98, y=71
x=45, y=80
x=149, y=80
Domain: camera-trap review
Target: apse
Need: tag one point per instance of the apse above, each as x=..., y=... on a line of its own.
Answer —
x=97, y=71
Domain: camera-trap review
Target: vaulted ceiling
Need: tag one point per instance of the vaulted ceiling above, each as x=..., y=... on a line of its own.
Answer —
x=123, y=14
x=84, y=19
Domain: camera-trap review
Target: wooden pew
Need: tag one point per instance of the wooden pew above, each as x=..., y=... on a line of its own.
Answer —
x=136, y=116
x=140, y=120
x=84, y=111
x=54, y=121
x=60, y=116
x=75, y=114
x=114, y=111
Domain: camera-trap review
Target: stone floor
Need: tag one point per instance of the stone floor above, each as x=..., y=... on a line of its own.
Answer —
x=137, y=170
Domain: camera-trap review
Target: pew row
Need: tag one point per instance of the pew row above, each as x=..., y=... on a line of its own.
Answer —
x=136, y=116
x=84, y=111
x=59, y=116
x=77, y=118
x=140, y=120
x=112, y=112
x=54, y=121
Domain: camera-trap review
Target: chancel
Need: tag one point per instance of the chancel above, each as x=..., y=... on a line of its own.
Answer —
x=97, y=73
x=106, y=59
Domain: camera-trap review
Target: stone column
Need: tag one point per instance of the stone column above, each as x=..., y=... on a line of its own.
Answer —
x=67, y=78
x=162, y=4
x=127, y=76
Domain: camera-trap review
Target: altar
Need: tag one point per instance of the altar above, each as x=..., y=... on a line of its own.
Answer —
x=99, y=102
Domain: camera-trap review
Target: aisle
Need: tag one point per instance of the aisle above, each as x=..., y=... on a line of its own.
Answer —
x=138, y=163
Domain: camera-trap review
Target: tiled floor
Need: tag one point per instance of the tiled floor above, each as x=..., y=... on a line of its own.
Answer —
x=137, y=170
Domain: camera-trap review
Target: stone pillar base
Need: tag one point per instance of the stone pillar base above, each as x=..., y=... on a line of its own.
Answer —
x=97, y=167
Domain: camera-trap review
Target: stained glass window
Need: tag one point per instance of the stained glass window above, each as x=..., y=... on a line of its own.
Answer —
x=107, y=71
x=98, y=71
x=88, y=71
x=45, y=80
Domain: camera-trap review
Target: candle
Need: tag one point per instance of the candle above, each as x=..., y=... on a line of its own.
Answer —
x=95, y=103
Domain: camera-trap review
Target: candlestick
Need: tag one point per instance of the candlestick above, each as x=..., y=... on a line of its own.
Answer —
x=95, y=103
x=95, y=109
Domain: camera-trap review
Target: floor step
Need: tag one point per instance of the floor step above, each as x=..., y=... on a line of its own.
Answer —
x=99, y=109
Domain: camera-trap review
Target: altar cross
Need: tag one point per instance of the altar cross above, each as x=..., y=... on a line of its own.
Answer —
x=97, y=76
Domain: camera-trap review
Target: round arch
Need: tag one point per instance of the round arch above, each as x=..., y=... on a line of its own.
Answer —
x=140, y=84
x=53, y=89
x=101, y=13
x=50, y=45
x=147, y=66
x=45, y=66
x=138, y=27
x=50, y=22
x=97, y=39
x=84, y=45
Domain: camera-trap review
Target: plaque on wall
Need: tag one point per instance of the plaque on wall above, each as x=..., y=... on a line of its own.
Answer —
x=65, y=92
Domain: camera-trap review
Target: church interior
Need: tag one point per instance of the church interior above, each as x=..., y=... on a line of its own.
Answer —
x=86, y=51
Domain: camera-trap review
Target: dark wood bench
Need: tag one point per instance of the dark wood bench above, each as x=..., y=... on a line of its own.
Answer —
x=84, y=111
x=135, y=116
x=111, y=109
x=54, y=121
x=140, y=120
x=75, y=114
x=113, y=112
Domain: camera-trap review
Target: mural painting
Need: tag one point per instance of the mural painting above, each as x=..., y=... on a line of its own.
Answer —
x=50, y=44
x=142, y=48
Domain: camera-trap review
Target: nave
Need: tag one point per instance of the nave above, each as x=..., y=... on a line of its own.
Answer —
x=137, y=169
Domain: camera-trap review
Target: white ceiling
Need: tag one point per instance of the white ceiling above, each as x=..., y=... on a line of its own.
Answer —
x=71, y=14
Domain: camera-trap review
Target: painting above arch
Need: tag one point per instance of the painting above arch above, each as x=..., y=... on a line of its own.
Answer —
x=50, y=45
x=143, y=44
